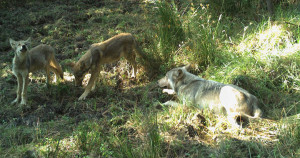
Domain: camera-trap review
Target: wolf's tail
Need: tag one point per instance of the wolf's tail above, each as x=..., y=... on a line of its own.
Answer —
x=139, y=51
x=56, y=67
x=148, y=62
x=257, y=114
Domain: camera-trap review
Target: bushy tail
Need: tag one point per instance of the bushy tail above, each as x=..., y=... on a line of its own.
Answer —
x=257, y=113
x=139, y=51
x=56, y=68
x=148, y=62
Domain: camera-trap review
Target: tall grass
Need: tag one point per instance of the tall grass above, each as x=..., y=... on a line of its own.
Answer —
x=153, y=146
x=289, y=138
x=170, y=32
x=232, y=6
x=204, y=35
x=192, y=35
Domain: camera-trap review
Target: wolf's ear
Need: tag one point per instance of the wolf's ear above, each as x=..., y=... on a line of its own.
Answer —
x=28, y=41
x=12, y=43
x=179, y=74
x=187, y=67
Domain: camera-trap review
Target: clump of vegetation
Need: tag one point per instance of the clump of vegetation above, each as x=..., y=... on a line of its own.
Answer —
x=170, y=32
x=234, y=42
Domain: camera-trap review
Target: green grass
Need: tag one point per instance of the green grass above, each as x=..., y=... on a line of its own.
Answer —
x=124, y=117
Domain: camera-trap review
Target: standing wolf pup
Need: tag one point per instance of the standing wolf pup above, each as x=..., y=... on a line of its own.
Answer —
x=121, y=45
x=221, y=98
x=25, y=61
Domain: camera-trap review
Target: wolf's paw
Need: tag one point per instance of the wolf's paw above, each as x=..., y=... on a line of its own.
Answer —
x=15, y=101
x=23, y=102
x=82, y=97
x=169, y=91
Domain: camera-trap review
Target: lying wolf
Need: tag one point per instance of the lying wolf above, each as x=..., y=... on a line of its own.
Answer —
x=221, y=98
x=40, y=57
x=122, y=45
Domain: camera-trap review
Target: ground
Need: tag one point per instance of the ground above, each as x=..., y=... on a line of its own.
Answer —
x=124, y=116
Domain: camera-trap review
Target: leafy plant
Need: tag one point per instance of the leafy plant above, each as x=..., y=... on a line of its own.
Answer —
x=169, y=32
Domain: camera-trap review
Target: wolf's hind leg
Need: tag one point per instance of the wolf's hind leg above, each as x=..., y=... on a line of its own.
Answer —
x=232, y=120
x=56, y=68
x=130, y=56
x=56, y=74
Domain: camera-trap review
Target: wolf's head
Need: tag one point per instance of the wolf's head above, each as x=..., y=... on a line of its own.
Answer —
x=79, y=68
x=20, y=47
x=79, y=73
x=172, y=77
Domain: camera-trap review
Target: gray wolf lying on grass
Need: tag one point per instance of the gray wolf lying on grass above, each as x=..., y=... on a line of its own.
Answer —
x=221, y=98
x=25, y=61
x=122, y=45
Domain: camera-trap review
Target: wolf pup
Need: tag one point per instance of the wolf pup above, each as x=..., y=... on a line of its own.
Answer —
x=221, y=98
x=122, y=45
x=25, y=61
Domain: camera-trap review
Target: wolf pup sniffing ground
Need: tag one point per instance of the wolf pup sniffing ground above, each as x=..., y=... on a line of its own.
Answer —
x=26, y=61
x=122, y=45
x=221, y=98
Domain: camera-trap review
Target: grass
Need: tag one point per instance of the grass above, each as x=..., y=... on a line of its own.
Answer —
x=124, y=117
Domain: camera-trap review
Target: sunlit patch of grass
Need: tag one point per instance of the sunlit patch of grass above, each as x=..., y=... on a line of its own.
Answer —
x=289, y=136
x=85, y=140
x=182, y=123
x=5, y=71
x=271, y=40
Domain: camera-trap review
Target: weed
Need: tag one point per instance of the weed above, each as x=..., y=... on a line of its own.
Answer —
x=153, y=138
x=289, y=137
x=170, y=30
x=203, y=36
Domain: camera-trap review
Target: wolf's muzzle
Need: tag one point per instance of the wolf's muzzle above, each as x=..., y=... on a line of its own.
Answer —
x=24, y=48
x=163, y=82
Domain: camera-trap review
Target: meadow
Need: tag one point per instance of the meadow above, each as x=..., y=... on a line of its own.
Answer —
x=233, y=42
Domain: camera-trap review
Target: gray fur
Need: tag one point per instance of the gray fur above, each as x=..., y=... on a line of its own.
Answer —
x=221, y=98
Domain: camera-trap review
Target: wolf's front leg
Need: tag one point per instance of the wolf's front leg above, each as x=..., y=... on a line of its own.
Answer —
x=96, y=80
x=171, y=103
x=24, y=90
x=169, y=91
x=83, y=95
x=87, y=89
x=19, y=89
x=90, y=85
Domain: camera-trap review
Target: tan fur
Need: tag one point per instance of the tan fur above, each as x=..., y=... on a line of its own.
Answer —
x=25, y=61
x=122, y=45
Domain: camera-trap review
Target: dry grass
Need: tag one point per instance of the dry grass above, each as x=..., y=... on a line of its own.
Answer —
x=124, y=117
